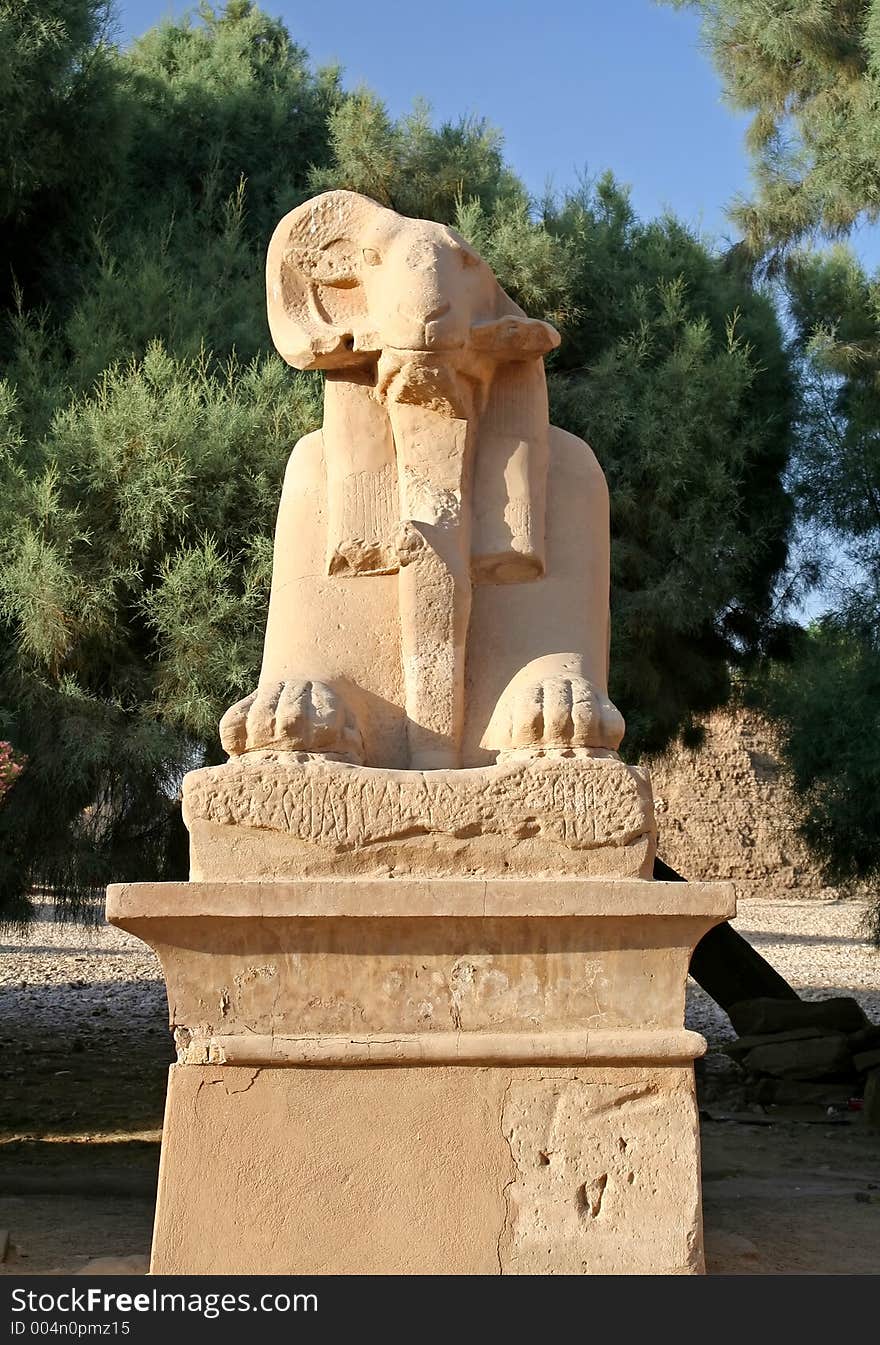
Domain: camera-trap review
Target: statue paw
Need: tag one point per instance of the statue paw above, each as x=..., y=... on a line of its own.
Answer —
x=293, y=716
x=563, y=712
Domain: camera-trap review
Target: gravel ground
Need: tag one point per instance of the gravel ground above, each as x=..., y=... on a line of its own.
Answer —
x=73, y=976
x=85, y=1049
x=818, y=945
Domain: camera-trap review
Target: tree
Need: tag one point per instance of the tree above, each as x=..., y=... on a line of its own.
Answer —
x=675, y=371
x=810, y=75
x=62, y=131
x=816, y=700
x=144, y=425
x=135, y=577
x=134, y=383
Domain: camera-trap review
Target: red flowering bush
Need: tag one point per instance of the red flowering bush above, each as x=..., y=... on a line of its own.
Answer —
x=10, y=768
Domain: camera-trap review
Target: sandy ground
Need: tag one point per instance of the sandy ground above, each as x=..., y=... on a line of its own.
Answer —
x=85, y=1049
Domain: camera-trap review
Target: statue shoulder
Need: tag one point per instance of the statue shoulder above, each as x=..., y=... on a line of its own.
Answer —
x=307, y=451
x=574, y=455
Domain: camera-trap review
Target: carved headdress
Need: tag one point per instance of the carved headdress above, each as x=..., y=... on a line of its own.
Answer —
x=401, y=310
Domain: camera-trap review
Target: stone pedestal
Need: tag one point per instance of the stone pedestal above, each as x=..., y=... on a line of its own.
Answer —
x=428, y=1075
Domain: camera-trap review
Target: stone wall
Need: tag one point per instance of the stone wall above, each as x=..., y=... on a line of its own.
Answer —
x=727, y=810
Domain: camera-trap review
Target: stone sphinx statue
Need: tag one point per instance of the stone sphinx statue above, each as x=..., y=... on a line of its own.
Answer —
x=444, y=1041
x=440, y=584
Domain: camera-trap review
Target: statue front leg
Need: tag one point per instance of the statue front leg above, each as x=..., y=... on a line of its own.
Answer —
x=435, y=603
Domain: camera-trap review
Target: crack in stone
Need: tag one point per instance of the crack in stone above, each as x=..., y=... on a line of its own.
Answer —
x=506, y=1222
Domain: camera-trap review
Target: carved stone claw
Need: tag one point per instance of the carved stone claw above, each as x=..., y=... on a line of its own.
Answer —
x=564, y=712
x=292, y=716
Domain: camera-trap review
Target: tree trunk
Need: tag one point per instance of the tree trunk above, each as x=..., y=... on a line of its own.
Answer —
x=725, y=965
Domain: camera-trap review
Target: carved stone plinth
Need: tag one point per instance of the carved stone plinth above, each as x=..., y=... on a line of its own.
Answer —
x=289, y=813
x=428, y=1076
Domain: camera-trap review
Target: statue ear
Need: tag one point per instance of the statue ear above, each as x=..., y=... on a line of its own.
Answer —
x=510, y=335
x=315, y=300
x=515, y=338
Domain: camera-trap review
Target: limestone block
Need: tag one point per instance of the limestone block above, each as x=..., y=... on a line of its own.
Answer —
x=599, y=1155
x=809, y=1058
x=799, y=1093
x=428, y=1076
x=284, y=815
x=417, y=960
x=865, y=1039
x=741, y=1047
x=441, y=1170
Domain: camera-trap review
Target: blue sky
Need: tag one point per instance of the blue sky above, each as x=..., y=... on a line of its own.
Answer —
x=577, y=86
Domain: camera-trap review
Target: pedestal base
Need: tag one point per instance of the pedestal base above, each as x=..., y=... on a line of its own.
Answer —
x=428, y=1076
x=440, y=1170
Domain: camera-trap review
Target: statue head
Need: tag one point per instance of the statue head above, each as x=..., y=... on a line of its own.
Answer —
x=348, y=279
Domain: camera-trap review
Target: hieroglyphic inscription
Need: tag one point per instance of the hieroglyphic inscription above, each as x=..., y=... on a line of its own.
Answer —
x=581, y=803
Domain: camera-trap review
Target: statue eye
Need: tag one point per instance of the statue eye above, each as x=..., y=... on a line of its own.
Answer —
x=371, y=257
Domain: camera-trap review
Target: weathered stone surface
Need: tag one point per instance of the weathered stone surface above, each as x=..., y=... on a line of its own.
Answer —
x=429, y=1171
x=758, y=1016
x=406, y=957
x=598, y=1156
x=800, y=1093
x=541, y=816
x=810, y=1058
x=743, y=1045
x=356, y=1141
x=727, y=809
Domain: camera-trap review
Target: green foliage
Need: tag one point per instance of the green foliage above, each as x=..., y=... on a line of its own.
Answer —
x=63, y=132
x=836, y=308
x=827, y=706
x=809, y=72
x=137, y=601
x=55, y=78
x=227, y=98
x=145, y=423
x=412, y=167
